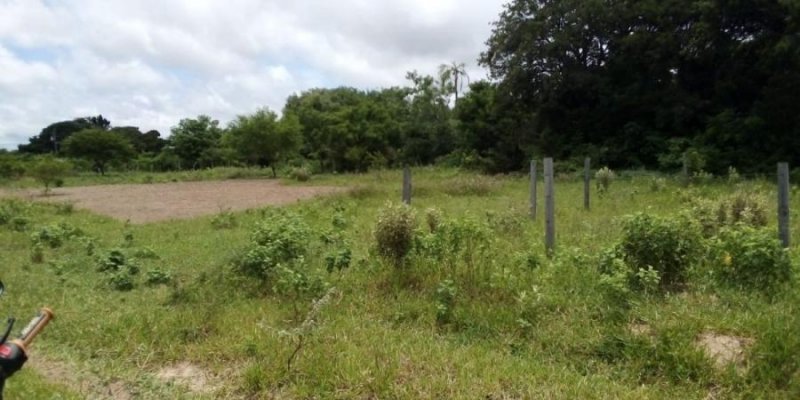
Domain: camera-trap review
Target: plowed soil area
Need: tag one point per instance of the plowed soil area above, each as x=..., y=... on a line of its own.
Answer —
x=182, y=200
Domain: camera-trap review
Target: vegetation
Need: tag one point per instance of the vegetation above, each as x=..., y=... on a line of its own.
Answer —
x=632, y=288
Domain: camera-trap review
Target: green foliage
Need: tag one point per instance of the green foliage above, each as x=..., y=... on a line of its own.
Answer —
x=300, y=174
x=55, y=235
x=281, y=239
x=49, y=171
x=474, y=185
x=750, y=258
x=261, y=139
x=604, y=176
x=575, y=66
x=11, y=167
x=740, y=208
x=157, y=276
x=394, y=232
x=100, y=147
x=224, y=220
x=657, y=184
x=13, y=215
x=338, y=259
x=119, y=269
x=654, y=249
x=446, y=294
x=195, y=142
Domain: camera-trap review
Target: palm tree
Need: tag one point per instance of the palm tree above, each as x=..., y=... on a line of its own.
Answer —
x=449, y=75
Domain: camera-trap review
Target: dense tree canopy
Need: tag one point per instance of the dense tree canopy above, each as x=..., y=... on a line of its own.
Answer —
x=261, y=139
x=624, y=80
x=100, y=147
x=196, y=142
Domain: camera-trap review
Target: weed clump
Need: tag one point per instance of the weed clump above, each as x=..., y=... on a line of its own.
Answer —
x=750, y=258
x=224, y=220
x=476, y=185
x=742, y=208
x=394, y=232
x=604, y=177
x=653, y=251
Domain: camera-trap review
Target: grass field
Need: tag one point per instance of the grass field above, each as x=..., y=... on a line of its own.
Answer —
x=489, y=317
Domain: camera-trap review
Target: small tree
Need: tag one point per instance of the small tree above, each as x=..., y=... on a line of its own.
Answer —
x=100, y=147
x=50, y=171
x=262, y=139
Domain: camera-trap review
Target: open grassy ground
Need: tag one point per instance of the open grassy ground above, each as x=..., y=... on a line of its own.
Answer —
x=493, y=319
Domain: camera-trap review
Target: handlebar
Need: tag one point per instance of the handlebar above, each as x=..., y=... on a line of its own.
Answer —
x=13, y=353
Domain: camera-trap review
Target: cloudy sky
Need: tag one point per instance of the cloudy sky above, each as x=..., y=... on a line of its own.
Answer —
x=149, y=63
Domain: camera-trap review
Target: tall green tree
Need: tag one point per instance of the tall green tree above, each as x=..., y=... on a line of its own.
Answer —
x=261, y=139
x=195, y=141
x=623, y=80
x=100, y=147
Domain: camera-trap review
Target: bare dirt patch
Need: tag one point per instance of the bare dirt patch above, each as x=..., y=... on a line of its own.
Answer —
x=85, y=384
x=188, y=375
x=724, y=349
x=182, y=200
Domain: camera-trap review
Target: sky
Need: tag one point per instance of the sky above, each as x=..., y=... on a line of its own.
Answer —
x=150, y=63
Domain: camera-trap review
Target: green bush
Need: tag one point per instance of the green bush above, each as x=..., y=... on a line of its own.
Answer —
x=300, y=174
x=445, y=302
x=224, y=220
x=281, y=238
x=655, y=248
x=155, y=277
x=54, y=236
x=394, y=232
x=50, y=171
x=750, y=258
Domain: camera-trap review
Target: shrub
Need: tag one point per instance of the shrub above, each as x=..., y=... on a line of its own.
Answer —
x=445, y=302
x=300, y=174
x=394, y=232
x=50, y=171
x=54, y=236
x=338, y=259
x=741, y=208
x=224, y=220
x=750, y=258
x=604, y=176
x=653, y=247
x=433, y=218
x=119, y=268
x=155, y=277
x=282, y=238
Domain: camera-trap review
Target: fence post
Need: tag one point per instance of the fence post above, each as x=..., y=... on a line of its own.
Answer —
x=587, y=164
x=407, y=185
x=533, y=189
x=549, y=207
x=783, y=203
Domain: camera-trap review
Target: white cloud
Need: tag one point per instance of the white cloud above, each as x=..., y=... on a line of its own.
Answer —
x=150, y=63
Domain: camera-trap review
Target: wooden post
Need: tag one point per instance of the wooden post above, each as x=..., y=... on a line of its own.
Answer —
x=533, y=189
x=587, y=164
x=549, y=207
x=783, y=203
x=407, y=185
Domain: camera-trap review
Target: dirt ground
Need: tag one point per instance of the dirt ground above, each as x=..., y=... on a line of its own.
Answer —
x=144, y=203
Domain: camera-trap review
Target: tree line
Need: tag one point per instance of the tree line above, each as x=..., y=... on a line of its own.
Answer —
x=631, y=84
